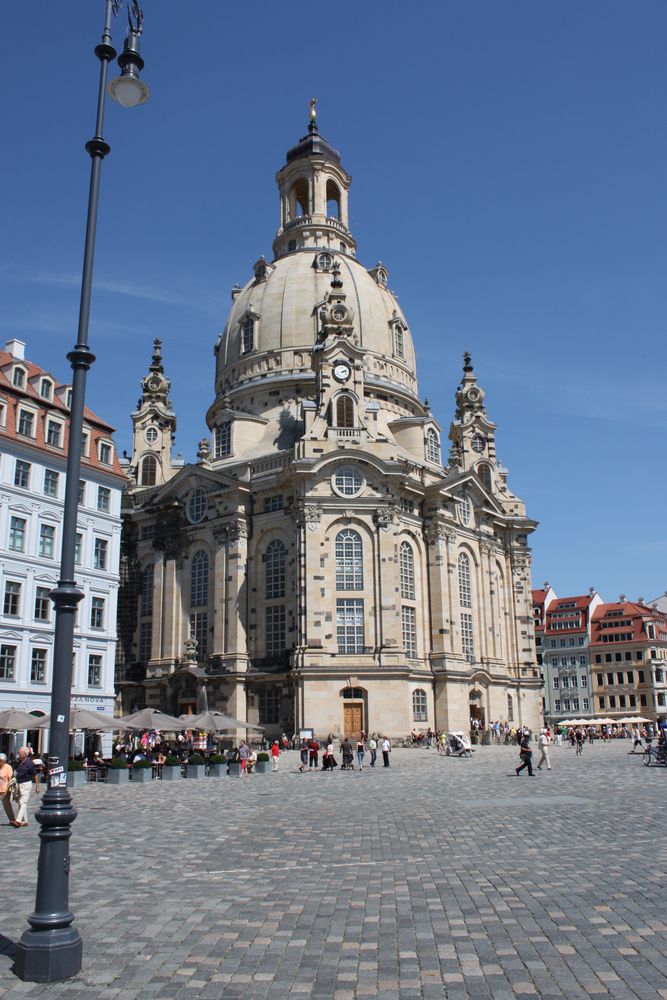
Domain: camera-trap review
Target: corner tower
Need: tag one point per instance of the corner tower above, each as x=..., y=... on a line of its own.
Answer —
x=153, y=426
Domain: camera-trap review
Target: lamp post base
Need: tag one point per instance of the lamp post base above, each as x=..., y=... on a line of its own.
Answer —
x=48, y=956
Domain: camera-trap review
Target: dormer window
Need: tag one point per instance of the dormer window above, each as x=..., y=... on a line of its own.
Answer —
x=18, y=378
x=247, y=335
x=85, y=444
x=223, y=441
x=45, y=388
x=399, y=342
x=54, y=433
x=105, y=452
x=68, y=399
x=432, y=446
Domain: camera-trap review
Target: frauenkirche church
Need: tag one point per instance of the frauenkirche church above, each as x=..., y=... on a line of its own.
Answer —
x=320, y=566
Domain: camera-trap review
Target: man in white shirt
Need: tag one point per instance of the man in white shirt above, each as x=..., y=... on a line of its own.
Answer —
x=543, y=744
x=373, y=747
x=386, y=748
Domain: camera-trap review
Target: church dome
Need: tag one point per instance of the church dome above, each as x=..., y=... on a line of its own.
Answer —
x=282, y=306
x=277, y=318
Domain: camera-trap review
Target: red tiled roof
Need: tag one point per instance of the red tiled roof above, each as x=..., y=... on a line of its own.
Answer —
x=638, y=614
x=54, y=406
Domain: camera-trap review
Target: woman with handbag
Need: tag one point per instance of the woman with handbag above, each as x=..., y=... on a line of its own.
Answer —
x=6, y=776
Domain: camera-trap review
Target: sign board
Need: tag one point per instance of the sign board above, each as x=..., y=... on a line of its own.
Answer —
x=306, y=734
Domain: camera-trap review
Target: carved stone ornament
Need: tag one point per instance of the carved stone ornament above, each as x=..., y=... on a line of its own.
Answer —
x=190, y=646
x=384, y=517
x=521, y=564
x=237, y=529
x=435, y=531
x=309, y=514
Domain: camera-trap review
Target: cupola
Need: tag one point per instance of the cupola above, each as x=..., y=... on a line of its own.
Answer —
x=313, y=196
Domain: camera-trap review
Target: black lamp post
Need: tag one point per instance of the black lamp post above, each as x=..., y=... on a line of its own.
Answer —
x=50, y=949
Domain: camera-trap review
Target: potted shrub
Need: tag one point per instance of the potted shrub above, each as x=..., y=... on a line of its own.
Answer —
x=76, y=774
x=118, y=773
x=142, y=771
x=217, y=766
x=263, y=765
x=171, y=769
x=196, y=766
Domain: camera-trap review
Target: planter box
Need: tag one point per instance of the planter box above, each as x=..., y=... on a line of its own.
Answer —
x=263, y=767
x=217, y=770
x=143, y=775
x=171, y=773
x=76, y=779
x=118, y=776
x=234, y=768
x=195, y=771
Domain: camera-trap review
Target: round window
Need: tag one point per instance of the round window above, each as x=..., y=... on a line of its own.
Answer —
x=151, y=435
x=197, y=506
x=348, y=482
x=324, y=261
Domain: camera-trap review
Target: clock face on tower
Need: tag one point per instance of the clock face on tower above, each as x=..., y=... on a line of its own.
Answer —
x=341, y=371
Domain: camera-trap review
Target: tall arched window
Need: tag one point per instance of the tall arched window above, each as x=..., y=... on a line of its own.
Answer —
x=333, y=201
x=432, y=446
x=465, y=601
x=510, y=709
x=419, y=705
x=199, y=603
x=407, y=571
x=148, y=471
x=274, y=562
x=349, y=561
x=344, y=411
x=146, y=600
x=247, y=334
x=465, y=594
x=484, y=473
x=199, y=580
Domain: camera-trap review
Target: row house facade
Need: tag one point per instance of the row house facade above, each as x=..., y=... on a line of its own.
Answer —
x=629, y=660
x=34, y=427
x=562, y=636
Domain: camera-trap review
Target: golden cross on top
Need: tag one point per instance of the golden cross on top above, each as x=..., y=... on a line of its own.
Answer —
x=313, y=110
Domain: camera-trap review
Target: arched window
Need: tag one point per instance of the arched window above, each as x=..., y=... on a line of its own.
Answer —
x=432, y=446
x=510, y=709
x=344, y=411
x=399, y=341
x=299, y=198
x=419, y=705
x=465, y=594
x=356, y=694
x=148, y=471
x=199, y=580
x=349, y=561
x=247, y=334
x=465, y=601
x=146, y=599
x=484, y=473
x=274, y=561
x=407, y=571
x=333, y=201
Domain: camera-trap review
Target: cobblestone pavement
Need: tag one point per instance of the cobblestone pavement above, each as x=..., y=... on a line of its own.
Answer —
x=434, y=878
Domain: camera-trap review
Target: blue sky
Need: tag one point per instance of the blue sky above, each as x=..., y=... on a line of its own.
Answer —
x=509, y=169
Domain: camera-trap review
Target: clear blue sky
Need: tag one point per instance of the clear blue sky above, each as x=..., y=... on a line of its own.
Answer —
x=509, y=168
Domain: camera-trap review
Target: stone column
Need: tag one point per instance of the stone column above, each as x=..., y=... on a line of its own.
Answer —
x=235, y=605
x=440, y=543
x=389, y=638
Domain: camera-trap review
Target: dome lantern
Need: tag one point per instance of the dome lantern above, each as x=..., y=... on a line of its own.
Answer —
x=313, y=196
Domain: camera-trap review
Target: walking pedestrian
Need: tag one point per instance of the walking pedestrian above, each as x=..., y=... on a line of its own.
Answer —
x=579, y=737
x=303, y=753
x=6, y=775
x=244, y=753
x=26, y=775
x=313, y=753
x=386, y=750
x=275, y=755
x=373, y=747
x=543, y=744
x=347, y=755
x=361, y=753
x=525, y=754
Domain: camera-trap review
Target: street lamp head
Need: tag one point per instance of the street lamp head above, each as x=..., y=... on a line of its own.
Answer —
x=128, y=89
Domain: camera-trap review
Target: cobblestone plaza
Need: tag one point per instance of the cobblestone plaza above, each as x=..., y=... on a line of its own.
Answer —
x=437, y=877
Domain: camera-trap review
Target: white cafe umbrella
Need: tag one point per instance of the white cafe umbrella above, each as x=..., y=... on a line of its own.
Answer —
x=13, y=720
x=216, y=722
x=151, y=718
x=81, y=718
x=633, y=720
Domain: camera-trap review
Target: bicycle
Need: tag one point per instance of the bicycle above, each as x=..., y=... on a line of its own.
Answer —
x=657, y=755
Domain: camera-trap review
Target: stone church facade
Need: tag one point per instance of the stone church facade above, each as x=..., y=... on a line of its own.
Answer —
x=335, y=573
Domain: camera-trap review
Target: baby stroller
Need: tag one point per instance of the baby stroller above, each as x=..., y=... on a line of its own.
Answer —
x=458, y=745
